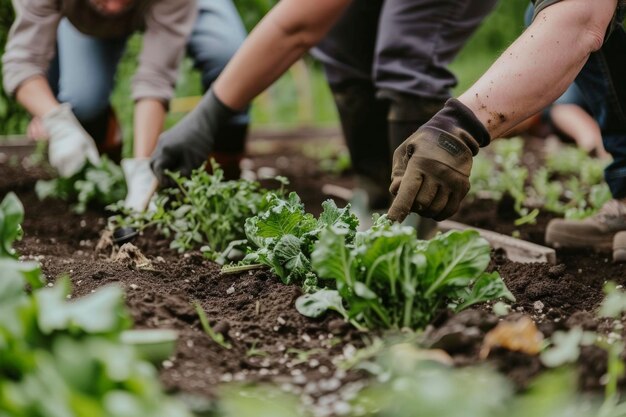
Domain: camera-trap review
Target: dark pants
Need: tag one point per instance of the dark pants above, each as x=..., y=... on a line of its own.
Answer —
x=386, y=62
x=603, y=84
x=401, y=45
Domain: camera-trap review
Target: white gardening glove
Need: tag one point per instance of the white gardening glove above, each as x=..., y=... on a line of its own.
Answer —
x=141, y=183
x=70, y=146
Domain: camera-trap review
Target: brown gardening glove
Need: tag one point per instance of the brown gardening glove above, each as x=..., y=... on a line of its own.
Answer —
x=431, y=168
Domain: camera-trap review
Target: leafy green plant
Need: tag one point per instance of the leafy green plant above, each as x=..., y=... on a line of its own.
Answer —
x=202, y=211
x=331, y=158
x=283, y=236
x=14, y=117
x=502, y=173
x=100, y=184
x=387, y=278
x=570, y=184
x=64, y=358
x=11, y=217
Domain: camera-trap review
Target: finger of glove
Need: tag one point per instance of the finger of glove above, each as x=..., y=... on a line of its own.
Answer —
x=395, y=185
x=407, y=191
x=454, y=201
x=438, y=203
x=91, y=152
x=425, y=196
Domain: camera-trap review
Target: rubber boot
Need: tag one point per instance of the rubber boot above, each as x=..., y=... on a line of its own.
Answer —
x=230, y=148
x=406, y=115
x=364, y=125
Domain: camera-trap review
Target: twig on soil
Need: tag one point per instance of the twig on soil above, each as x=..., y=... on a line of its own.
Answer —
x=235, y=269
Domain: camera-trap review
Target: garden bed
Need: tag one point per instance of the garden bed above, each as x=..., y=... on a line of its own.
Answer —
x=270, y=340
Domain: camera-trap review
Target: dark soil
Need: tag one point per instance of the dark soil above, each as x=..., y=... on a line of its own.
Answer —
x=270, y=340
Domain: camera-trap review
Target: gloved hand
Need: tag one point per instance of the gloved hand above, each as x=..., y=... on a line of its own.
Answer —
x=187, y=145
x=431, y=168
x=70, y=146
x=140, y=182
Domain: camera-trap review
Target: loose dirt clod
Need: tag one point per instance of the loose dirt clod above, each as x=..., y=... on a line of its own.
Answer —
x=105, y=246
x=131, y=256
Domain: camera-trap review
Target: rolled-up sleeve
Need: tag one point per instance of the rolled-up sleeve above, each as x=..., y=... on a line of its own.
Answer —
x=168, y=26
x=31, y=43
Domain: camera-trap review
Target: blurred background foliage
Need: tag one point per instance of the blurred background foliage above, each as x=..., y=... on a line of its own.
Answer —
x=13, y=118
x=301, y=97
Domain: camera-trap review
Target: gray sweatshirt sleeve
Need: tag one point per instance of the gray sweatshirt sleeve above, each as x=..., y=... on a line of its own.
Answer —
x=168, y=26
x=31, y=43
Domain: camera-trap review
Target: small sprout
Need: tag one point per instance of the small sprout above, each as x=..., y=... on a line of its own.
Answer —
x=216, y=337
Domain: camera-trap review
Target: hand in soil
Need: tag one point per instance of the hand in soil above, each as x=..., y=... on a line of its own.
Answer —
x=70, y=146
x=431, y=168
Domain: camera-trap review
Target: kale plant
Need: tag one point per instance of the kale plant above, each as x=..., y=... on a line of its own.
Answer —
x=386, y=278
x=284, y=236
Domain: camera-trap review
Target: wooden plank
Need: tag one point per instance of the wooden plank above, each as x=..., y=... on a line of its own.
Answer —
x=516, y=250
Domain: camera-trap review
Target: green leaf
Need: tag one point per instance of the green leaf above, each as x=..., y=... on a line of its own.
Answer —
x=294, y=264
x=565, y=348
x=331, y=259
x=331, y=215
x=11, y=217
x=486, y=288
x=455, y=259
x=281, y=217
x=614, y=303
x=100, y=312
x=316, y=304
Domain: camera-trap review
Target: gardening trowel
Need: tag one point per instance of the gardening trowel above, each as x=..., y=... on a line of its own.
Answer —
x=123, y=235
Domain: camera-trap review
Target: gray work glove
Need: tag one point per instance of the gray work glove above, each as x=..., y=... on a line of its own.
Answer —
x=431, y=168
x=187, y=145
x=69, y=145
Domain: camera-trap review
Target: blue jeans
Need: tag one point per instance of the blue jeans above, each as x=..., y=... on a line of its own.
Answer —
x=83, y=70
x=602, y=83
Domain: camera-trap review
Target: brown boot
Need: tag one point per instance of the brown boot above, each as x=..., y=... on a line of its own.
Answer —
x=595, y=232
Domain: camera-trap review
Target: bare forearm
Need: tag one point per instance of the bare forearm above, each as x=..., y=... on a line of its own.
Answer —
x=148, y=124
x=36, y=96
x=539, y=66
x=288, y=31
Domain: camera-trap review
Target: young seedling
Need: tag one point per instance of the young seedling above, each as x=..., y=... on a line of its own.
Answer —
x=253, y=351
x=204, y=321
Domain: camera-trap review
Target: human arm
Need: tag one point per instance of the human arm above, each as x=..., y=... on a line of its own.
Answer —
x=539, y=66
x=529, y=75
x=168, y=25
x=30, y=48
x=148, y=124
x=287, y=31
